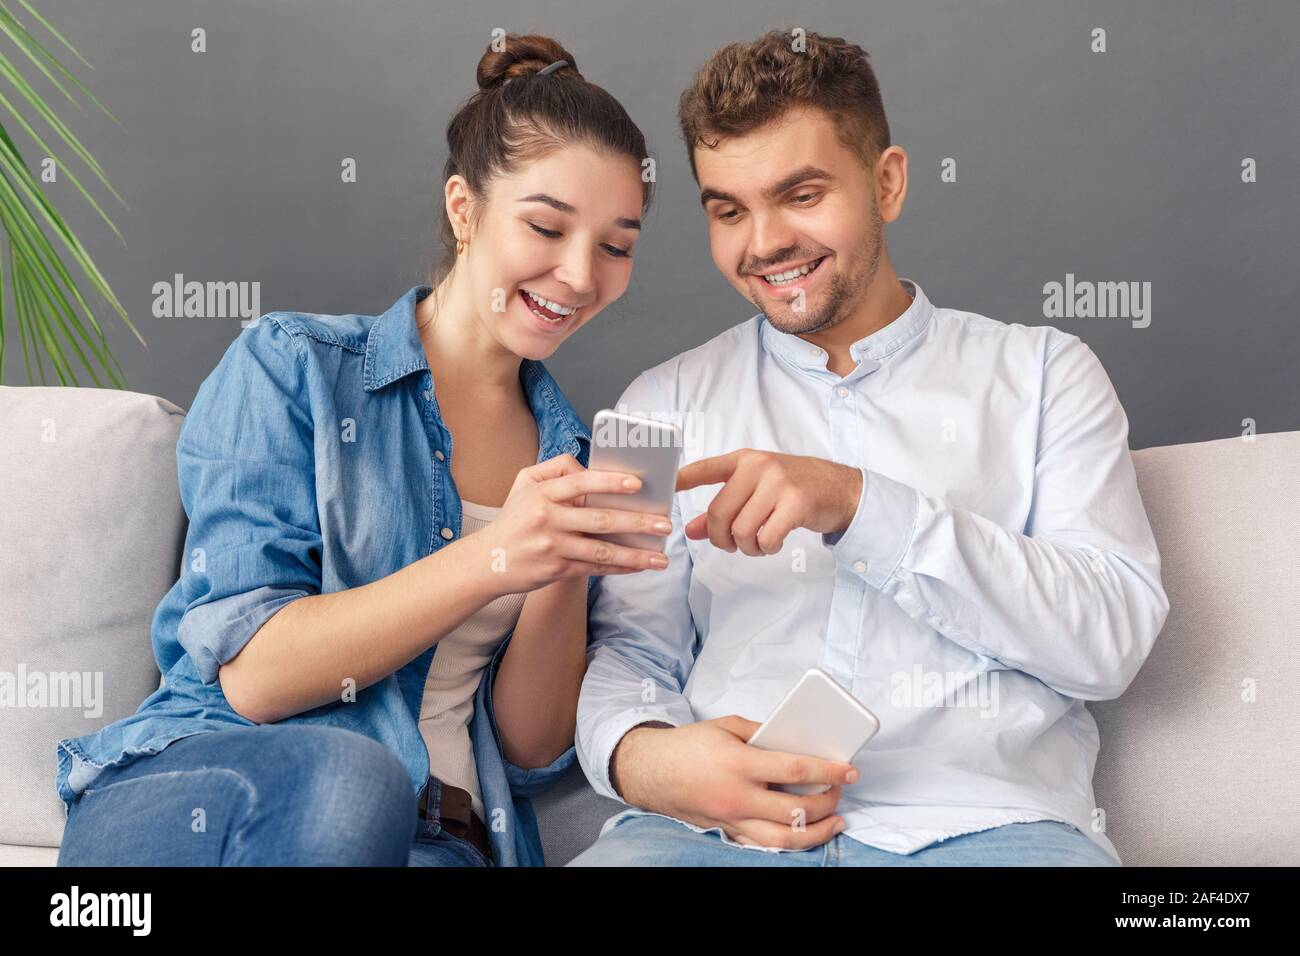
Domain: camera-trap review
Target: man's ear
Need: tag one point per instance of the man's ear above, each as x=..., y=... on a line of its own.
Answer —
x=891, y=182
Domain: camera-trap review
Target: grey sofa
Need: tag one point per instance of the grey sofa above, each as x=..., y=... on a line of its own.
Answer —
x=1199, y=761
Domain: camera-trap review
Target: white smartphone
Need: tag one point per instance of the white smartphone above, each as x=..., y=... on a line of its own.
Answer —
x=643, y=447
x=818, y=718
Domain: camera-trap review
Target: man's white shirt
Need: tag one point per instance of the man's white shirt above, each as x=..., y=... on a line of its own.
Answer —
x=999, y=571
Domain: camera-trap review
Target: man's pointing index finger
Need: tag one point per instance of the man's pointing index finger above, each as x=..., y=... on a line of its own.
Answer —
x=707, y=471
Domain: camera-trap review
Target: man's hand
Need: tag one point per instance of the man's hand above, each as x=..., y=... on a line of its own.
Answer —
x=767, y=495
x=706, y=773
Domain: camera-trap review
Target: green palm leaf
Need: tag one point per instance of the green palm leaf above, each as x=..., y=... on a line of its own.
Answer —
x=47, y=302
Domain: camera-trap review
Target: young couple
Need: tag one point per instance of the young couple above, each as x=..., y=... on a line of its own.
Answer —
x=394, y=612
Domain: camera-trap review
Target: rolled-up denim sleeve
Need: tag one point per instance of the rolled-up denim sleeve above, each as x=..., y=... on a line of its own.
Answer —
x=247, y=481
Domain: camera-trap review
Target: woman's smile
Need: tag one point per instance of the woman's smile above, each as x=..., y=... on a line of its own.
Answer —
x=546, y=313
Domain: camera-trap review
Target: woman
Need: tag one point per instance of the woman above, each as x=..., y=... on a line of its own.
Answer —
x=383, y=602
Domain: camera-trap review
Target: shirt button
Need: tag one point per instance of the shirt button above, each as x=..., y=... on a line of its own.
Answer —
x=437, y=453
x=428, y=394
x=446, y=533
x=842, y=391
x=935, y=620
x=860, y=567
x=814, y=351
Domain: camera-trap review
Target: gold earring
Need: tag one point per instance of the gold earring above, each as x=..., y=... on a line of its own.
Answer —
x=460, y=246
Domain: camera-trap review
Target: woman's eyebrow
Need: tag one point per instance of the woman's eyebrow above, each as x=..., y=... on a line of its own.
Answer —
x=562, y=206
x=551, y=201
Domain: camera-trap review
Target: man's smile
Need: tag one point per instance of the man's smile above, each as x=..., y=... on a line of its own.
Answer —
x=786, y=279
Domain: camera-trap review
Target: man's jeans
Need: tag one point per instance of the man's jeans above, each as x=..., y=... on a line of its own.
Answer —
x=268, y=795
x=662, y=841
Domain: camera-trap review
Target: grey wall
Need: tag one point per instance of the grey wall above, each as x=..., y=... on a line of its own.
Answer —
x=1116, y=166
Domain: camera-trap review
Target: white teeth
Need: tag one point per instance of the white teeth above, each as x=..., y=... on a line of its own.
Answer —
x=553, y=306
x=780, y=278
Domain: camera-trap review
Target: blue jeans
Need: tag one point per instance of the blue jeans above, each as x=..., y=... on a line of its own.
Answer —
x=268, y=795
x=662, y=841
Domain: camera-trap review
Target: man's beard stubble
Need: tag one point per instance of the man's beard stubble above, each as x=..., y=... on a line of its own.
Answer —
x=845, y=291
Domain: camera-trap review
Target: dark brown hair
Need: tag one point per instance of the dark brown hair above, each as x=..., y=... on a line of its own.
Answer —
x=745, y=85
x=517, y=116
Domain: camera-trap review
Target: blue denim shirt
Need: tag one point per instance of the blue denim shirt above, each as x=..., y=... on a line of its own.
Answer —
x=315, y=459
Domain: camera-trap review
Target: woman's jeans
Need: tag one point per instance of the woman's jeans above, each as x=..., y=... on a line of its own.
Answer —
x=268, y=795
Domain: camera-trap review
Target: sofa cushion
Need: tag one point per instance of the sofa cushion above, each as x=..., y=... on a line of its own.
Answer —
x=1199, y=763
x=91, y=532
x=570, y=815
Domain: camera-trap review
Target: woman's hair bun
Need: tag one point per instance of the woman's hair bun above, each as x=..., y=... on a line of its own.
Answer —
x=521, y=56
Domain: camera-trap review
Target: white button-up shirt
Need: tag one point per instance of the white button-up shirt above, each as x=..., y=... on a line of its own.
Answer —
x=999, y=570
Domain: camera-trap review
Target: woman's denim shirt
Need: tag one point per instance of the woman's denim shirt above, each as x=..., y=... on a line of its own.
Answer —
x=315, y=459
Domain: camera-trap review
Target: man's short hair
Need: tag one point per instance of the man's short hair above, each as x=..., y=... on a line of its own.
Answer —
x=745, y=85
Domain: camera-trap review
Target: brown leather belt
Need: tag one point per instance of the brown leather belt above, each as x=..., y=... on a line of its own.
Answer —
x=456, y=814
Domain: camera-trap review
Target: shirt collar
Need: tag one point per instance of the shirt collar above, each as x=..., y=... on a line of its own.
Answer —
x=872, y=349
x=394, y=351
x=393, y=347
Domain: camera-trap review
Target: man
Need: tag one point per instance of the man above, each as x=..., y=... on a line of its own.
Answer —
x=936, y=508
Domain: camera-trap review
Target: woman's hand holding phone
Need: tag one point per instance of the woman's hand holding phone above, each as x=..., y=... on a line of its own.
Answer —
x=541, y=534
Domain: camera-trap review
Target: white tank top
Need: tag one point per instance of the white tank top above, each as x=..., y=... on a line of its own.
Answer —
x=454, y=676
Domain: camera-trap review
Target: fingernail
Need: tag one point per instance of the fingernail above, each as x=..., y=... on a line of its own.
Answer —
x=839, y=827
x=663, y=526
x=659, y=562
x=632, y=483
x=851, y=777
